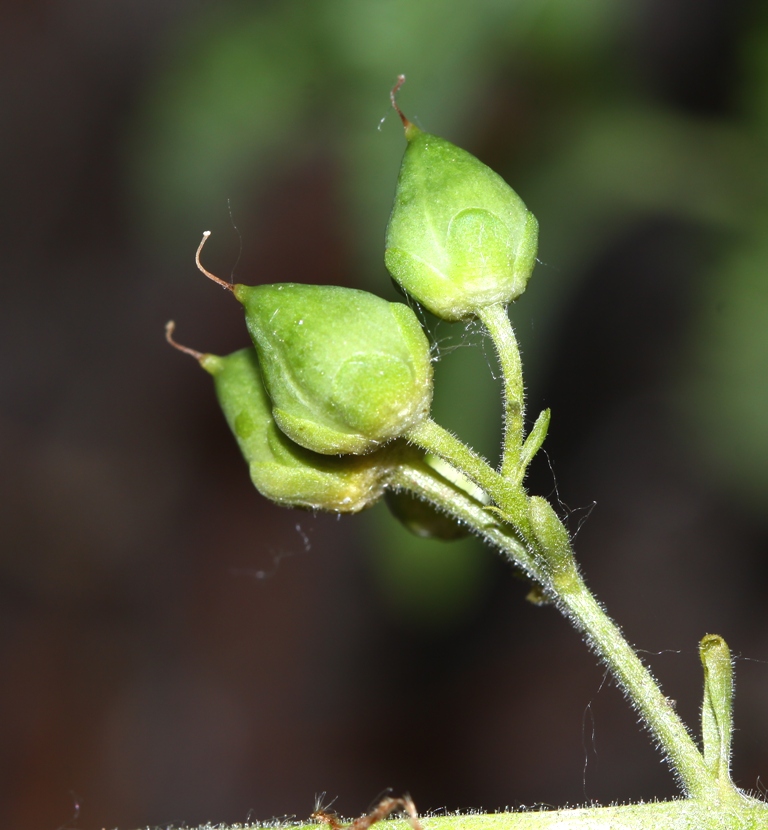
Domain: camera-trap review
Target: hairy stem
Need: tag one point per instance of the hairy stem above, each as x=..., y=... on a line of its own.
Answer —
x=602, y=634
x=423, y=481
x=496, y=319
x=684, y=814
x=512, y=531
x=508, y=495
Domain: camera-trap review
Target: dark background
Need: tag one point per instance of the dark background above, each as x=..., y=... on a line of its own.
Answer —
x=173, y=648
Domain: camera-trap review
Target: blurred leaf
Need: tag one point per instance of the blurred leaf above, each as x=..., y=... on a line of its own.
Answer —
x=727, y=405
x=233, y=90
x=246, y=88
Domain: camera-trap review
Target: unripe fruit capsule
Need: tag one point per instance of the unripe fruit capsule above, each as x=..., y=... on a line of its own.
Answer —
x=280, y=469
x=459, y=238
x=346, y=370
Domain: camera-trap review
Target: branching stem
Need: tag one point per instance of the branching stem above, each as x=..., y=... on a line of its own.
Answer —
x=511, y=530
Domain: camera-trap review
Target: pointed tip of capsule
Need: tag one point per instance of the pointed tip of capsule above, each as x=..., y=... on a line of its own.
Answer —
x=410, y=128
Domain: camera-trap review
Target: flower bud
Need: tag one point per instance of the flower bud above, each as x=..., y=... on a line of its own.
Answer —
x=346, y=370
x=717, y=707
x=459, y=238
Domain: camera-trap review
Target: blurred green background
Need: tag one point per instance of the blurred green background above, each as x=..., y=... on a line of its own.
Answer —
x=176, y=649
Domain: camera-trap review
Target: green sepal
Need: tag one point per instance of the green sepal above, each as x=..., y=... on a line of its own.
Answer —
x=280, y=469
x=459, y=238
x=346, y=370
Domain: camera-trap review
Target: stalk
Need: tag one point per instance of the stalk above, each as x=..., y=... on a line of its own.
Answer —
x=566, y=587
x=496, y=319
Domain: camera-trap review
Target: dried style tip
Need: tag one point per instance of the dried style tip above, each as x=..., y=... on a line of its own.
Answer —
x=170, y=327
x=393, y=99
x=221, y=282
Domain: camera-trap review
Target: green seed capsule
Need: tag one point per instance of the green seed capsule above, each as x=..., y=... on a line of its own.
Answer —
x=421, y=519
x=280, y=469
x=459, y=238
x=426, y=521
x=346, y=370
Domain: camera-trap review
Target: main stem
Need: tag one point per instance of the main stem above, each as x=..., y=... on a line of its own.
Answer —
x=581, y=607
